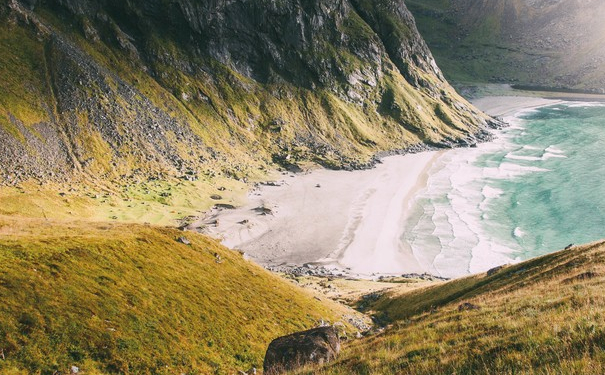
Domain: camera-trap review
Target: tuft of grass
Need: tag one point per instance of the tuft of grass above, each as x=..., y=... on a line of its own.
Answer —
x=543, y=316
x=116, y=298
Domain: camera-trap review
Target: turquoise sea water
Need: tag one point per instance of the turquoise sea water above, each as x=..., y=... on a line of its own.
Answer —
x=537, y=189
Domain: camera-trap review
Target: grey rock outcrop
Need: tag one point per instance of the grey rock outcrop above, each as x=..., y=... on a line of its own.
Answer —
x=318, y=345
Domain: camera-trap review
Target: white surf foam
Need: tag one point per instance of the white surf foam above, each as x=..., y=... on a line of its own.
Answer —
x=585, y=104
x=519, y=233
x=459, y=192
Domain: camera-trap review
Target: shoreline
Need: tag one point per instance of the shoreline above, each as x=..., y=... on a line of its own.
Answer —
x=340, y=223
x=321, y=218
x=507, y=106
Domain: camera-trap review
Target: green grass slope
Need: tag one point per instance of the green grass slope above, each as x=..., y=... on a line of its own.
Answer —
x=131, y=299
x=543, y=316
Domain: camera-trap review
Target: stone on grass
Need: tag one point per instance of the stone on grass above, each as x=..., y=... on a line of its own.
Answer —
x=467, y=306
x=183, y=240
x=287, y=353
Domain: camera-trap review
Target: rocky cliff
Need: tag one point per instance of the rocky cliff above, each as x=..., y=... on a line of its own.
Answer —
x=116, y=89
x=552, y=43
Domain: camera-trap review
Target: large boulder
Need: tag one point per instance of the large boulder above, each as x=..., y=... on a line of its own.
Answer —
x=317, y=345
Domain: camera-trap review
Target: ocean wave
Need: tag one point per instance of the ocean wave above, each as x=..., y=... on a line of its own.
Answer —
x=528, y=147
x=459, y=190
x=585, y=104
x=518, y=233
x=523, y=157
x=553, y=150
x=544, y=156
x=481, y=209
x=491, y=192
x=507, y=171
x=549, y=155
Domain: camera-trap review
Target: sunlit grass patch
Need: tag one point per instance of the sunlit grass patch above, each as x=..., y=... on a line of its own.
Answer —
x=121, y=298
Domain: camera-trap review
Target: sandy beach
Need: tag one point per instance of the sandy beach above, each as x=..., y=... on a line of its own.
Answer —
x=350, y=222
x=339, y=219
x=505, y=106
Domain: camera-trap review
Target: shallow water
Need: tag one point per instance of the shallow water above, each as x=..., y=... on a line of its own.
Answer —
x=537, y=189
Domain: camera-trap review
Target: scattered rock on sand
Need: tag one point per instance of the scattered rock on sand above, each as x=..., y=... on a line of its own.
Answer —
x=318, y=345
x=272, y=183
x=264, y=210
x=224, y=206
x=216, y=197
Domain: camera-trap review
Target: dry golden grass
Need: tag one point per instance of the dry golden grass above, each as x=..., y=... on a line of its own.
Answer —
x=148, y=201
x=352, y=291
x=125, y=298
x=544, y=316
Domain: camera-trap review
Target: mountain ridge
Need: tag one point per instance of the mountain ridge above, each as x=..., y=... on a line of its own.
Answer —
x=542, y=43
x=109, y=97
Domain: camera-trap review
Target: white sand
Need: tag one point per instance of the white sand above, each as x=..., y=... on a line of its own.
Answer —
x=506, y=106
x=353, y=221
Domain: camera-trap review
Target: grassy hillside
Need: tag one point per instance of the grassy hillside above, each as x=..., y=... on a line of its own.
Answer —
x=543, y=316
x=155, y=89
x=170, y=202
x=131, y=299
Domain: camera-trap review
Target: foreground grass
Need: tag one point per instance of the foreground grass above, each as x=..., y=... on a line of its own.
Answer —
x=131, y=299
x=544, y=316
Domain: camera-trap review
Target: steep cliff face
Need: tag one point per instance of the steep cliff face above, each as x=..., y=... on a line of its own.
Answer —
x=552, y=43
x=115, y=89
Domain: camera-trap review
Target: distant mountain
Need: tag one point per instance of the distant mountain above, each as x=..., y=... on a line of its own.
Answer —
x=117, y=89
x=552, y=43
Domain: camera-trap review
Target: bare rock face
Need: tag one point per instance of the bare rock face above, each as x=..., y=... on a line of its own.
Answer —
x=134, y=88
x=317, y=345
